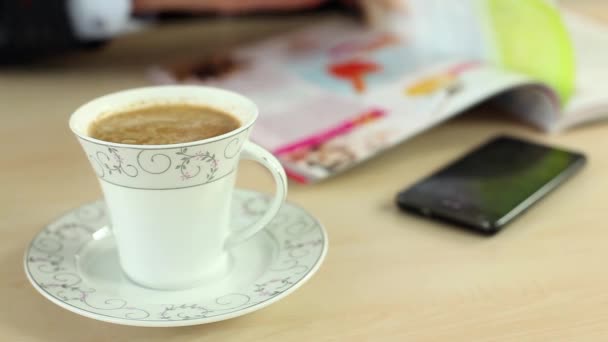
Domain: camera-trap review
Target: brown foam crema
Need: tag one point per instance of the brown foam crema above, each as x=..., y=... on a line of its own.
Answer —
x=162, y=125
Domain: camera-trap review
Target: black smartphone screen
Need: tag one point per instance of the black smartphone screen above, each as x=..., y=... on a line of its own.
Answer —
x=492, y=184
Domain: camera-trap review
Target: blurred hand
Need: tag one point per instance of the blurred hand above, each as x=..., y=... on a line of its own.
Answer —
x=223, y=6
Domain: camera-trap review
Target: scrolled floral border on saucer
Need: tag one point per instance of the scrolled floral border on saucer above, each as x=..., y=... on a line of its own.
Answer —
x=50, y=264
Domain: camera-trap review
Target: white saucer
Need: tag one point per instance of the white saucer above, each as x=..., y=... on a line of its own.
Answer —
x=73, y=263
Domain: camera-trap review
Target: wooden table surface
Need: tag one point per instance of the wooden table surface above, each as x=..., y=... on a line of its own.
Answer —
x=388, y=276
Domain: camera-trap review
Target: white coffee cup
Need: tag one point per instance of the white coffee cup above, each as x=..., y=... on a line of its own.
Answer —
x=169, y=205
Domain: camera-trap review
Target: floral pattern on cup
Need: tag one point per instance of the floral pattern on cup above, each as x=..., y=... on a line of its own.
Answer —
x=186, y=158
x=146, y=168
x=51, y=265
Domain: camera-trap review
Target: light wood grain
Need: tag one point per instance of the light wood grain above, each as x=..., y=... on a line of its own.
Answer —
x=387, y=277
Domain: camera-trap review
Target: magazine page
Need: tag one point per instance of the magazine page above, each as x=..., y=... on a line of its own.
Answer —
x=335, y=94
x=534, y=103
x=590, y=100
x=539, y=105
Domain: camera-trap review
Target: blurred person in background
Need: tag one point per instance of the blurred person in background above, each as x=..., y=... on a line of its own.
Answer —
x=31, y=29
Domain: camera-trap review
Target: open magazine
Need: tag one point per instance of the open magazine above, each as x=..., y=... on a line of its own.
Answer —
x=335, y=94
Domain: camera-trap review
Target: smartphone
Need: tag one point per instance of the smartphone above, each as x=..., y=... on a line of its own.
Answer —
x=492, y=185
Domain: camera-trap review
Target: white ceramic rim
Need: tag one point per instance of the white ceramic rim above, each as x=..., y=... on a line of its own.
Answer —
x=191, y=89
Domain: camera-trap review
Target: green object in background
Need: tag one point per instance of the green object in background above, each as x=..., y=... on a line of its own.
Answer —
x=531, y=37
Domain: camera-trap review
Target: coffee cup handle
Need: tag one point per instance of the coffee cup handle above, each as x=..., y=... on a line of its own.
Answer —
x=256, y=153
